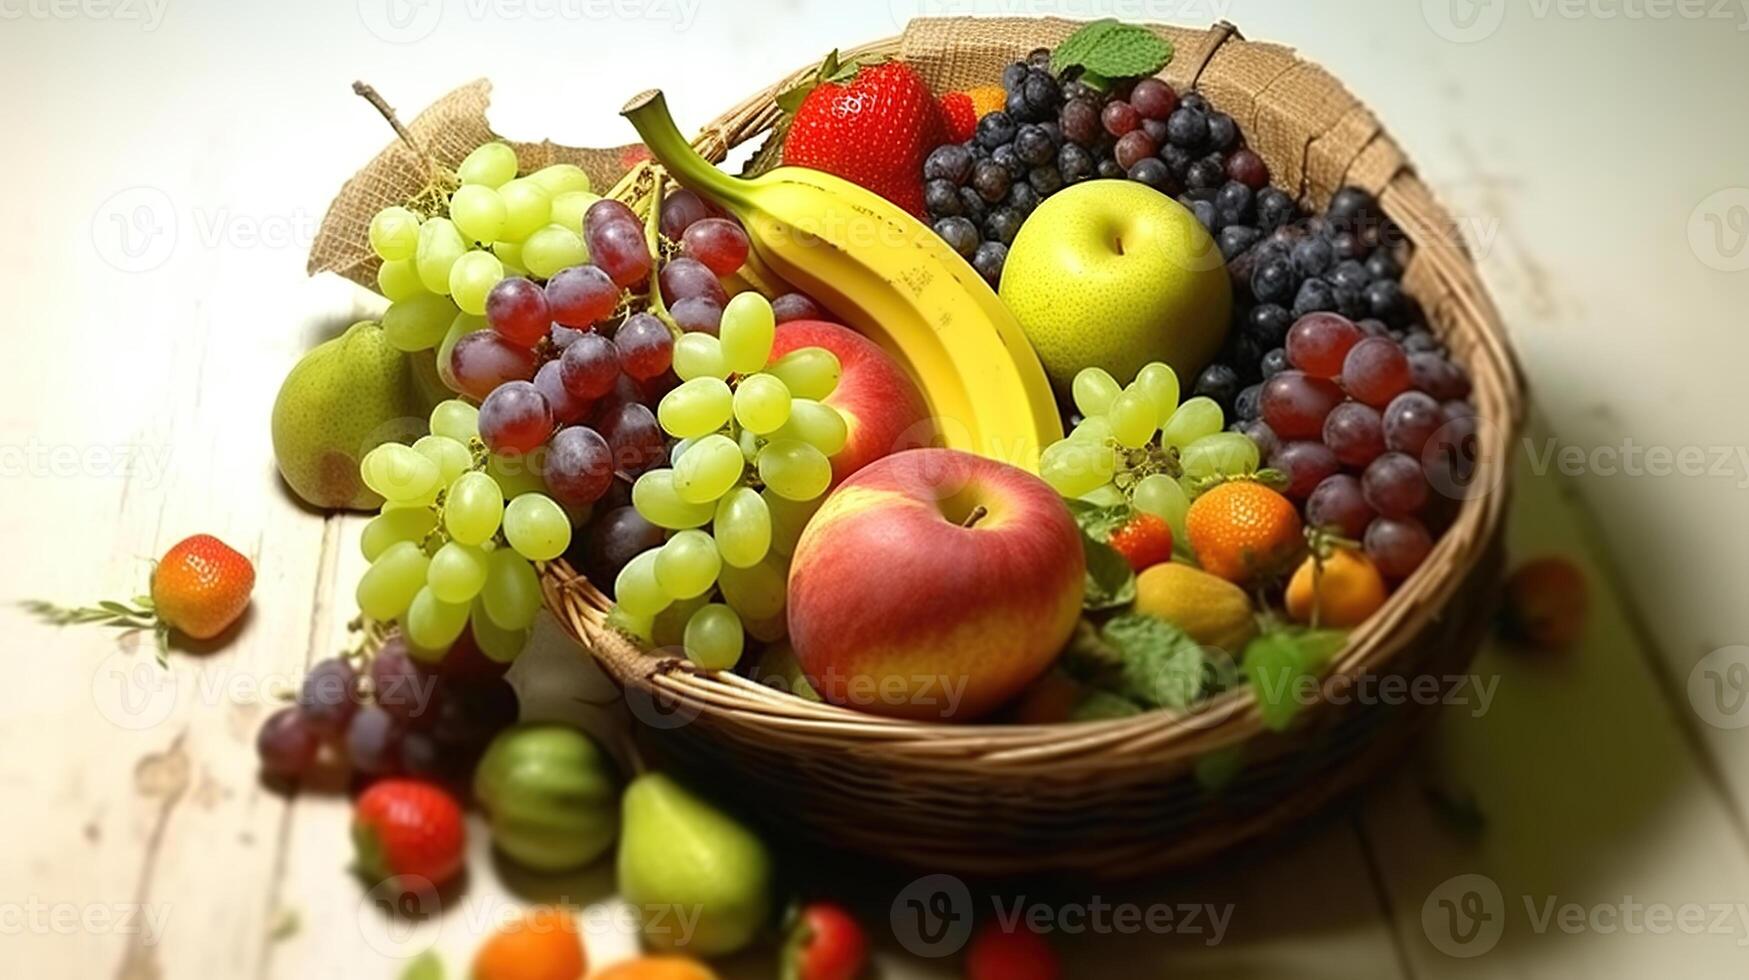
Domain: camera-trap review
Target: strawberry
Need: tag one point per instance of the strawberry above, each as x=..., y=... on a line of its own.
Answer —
x=959, y=116
x=825, y=943
x=199, y=588
x=871, y=124
x=406, y=827
x=1011, y=954
x=1144, y=541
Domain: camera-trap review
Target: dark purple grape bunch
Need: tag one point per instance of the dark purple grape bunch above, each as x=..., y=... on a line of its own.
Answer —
x=1285, y=265
x=398, y=717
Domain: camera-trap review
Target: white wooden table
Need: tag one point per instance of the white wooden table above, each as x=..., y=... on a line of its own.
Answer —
x=167, y=162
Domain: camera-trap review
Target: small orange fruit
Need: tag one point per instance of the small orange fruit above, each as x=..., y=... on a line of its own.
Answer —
x=987, y=99
x=201, y=586
x=1546, y=604
x=1343, y=593
x=657, y=968
x=1243, y=531
x=541, y=945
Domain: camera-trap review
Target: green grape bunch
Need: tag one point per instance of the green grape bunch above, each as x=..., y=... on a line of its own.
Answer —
x=495, y=224
x=1138, y=445
x=752, y=465
x=457, y=540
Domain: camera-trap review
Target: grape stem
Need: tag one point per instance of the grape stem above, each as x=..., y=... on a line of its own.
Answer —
x=367, y=92
x=433, y=198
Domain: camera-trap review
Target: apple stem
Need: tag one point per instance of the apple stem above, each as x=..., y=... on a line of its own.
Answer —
x=978, y=513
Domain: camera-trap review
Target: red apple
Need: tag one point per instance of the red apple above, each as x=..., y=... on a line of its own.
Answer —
x=883, y=408
x=935, y=585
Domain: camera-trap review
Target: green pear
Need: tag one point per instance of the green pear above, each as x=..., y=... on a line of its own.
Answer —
x=1116, y=275
x=700, y=882
x=346, y=397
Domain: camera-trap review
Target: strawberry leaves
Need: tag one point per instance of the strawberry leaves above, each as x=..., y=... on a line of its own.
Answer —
x=833, y=71
x=1111, y=49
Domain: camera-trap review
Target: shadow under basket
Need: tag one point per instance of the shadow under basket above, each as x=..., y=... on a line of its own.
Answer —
x=1122, y=798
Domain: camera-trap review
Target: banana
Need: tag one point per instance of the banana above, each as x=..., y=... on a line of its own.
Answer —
x=892, y=279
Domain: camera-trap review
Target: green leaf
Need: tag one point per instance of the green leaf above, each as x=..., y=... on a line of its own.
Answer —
x=1076, y=46
x=1113, y=50
x=1283, y=667
x=1100, y=521
x=790, y=100
x=426, y=966
x=1111, y=583
x=1162, y=666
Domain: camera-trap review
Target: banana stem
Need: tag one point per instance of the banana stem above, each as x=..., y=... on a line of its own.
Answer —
x=648, y=114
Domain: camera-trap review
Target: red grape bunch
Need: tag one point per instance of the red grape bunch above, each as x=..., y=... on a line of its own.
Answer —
x=1350, y=422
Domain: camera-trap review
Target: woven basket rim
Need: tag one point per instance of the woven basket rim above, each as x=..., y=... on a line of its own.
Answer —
x=1465, y=314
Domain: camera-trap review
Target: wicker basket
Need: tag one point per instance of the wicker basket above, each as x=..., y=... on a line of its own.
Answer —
x=1115, y=798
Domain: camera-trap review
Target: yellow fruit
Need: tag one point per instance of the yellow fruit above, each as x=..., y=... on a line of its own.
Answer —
x=344, y=398
x=1212, y=611
x=894, y=281
x=1115, y=275
x=1349, y=589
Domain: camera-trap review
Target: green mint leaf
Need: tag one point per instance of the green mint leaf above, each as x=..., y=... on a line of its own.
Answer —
x=1113, y=50
x=1111, y=583
x=1162, y=666
x=1283, y=667
x=1076, y=46
x=1133, y=52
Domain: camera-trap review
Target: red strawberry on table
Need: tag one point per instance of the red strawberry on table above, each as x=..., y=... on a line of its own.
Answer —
x=870, y=123
x=407, y=827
